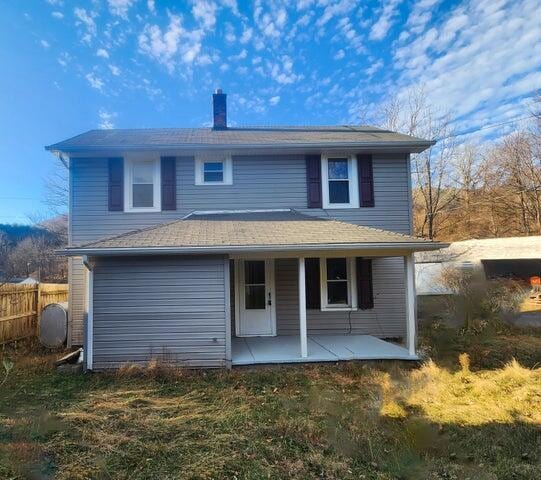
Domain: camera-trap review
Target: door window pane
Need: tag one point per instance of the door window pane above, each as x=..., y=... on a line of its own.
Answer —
x=213, y=172
x=254, y=297
x=254, y=284
x=254, y=272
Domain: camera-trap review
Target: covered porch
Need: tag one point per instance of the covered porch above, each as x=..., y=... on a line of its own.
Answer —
x=320, y=348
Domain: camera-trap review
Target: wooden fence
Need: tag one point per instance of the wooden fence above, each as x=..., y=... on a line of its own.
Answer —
x=21, y=306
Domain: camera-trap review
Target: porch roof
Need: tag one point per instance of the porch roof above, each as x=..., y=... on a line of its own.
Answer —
x=251, y=231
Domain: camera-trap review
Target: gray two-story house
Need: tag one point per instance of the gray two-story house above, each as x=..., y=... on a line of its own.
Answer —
x=212, y=247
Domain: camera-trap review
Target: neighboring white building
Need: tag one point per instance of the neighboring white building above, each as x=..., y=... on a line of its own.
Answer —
x=517, y=257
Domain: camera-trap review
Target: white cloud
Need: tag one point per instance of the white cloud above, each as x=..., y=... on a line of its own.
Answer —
x=282, y=72
x=151, y=5
x=57, y=15
x=241, y=56
x=374, y=67
x=231, y=4
x=246, y=35
x=114, y=70
x=339, y=54
x=106, y=119
x=334, y=9
x=482, y=55
x=270, y=23
x=63, y=59
x=230, y=33
x=420, y=15
x=383, y=24
x=204, y=12
x=102, y=53
x=171, y=46
x=87, y=20
x=94, y=81
x=274, y=100
x=224, y=67
x=120, y=7
x=45, y=44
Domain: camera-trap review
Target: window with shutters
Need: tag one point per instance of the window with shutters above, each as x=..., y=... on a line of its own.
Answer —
x=142, y=184
x=213, y=171
x=339, y=182
x=338, y=283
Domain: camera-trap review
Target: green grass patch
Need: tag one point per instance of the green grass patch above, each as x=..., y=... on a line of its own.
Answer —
x=477, y=418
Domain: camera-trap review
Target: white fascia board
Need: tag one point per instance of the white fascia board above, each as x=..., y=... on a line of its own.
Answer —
x=230, y=249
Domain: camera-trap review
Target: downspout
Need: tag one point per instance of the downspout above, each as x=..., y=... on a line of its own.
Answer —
x=89, y=330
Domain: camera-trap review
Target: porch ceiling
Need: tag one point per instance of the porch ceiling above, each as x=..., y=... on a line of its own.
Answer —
x=256, y=231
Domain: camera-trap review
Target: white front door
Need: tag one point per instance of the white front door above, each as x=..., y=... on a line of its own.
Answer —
x=255, y=298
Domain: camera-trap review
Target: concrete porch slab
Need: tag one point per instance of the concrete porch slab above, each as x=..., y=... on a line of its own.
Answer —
x=321, y=348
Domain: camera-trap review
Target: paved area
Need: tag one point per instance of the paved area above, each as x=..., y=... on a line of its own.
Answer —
x=321, y=348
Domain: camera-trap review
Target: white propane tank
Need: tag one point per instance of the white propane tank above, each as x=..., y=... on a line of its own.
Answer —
x=53, y=326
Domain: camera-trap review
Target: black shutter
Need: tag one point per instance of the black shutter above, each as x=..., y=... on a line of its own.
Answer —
x=313, y=180
x=366, y=180
x=365, y=294
x=313, y=292
x=169, y=183
x=116, y=184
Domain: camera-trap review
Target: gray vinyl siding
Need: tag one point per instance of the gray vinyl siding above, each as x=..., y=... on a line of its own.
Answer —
x=170, y=308
x=264, y=182
x=386, y=320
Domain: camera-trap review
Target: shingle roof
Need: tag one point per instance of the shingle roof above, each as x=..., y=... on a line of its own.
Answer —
x=254, y=231
x=246, y=137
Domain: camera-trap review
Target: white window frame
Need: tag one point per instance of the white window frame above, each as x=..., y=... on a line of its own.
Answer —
x=352, y=286
x=200, y=165
x=352, y=178
x=128, y=183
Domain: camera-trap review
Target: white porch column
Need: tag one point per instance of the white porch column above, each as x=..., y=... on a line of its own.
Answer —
x=302, y=309
x=411, y=323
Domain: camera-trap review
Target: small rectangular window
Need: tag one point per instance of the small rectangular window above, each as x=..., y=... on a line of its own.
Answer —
x=213, y=172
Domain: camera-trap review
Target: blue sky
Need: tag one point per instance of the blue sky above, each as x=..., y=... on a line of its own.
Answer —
x=69, y=66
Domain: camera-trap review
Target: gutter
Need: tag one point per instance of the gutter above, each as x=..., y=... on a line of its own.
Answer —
x=410, y=146
x=122, y=251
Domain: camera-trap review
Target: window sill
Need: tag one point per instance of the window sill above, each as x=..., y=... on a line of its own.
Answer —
x=338, y=309
x=334, y=206
x=142, y=210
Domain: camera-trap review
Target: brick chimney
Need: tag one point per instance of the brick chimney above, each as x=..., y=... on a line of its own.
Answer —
x=219, y=110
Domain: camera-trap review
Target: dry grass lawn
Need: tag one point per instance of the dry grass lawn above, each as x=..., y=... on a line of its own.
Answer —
x=477, y=417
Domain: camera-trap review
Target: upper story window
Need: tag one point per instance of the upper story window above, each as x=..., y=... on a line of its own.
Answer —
x=337, y=284
x=339, y=182
x=142, y=185
x=213, y=171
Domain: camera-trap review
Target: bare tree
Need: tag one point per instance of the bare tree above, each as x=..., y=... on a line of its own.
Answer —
x=434, y=192
x=57, y=188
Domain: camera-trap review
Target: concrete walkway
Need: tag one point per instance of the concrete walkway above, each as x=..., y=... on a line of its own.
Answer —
x=321, y=348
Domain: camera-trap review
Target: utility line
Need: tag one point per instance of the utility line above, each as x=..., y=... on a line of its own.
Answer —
x=486, y=127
